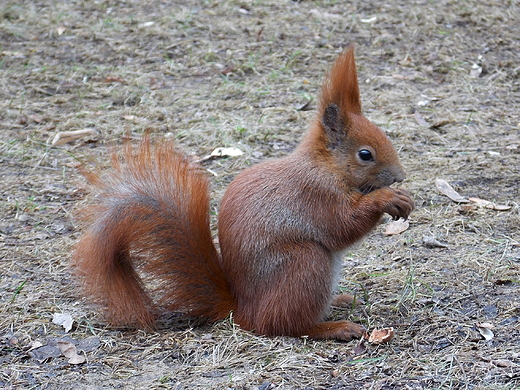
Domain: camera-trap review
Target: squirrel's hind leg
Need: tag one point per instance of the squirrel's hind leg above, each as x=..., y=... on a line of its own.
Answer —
x=295, y=305
x=338, y=330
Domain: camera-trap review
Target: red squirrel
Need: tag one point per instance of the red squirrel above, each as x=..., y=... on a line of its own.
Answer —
x=282, y=228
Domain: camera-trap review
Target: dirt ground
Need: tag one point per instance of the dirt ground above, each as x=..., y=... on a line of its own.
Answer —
x=442, y=78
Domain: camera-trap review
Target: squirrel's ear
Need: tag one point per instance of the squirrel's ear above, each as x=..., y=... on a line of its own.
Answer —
x=341, y=86
x=334, y=125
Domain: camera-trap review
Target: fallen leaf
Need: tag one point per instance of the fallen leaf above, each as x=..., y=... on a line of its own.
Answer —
x=36, y=118
x=64, y=320
x=397, y=227
x=486, y=325
x=35, y=344
x=259, y=35
x=359, y=349
x=380, y=336
x=369, y=20
x=222, y=152
x=89, y=344
x=54, y=347
x=23, y=218
x=305, y=107
x=441, y=123
x=227, y=70
x=466, y=208
x=485, y=330
x=446, y=189
x=155, y=84
x=13, y=341
x=63, y=137
x=480, y=202
x=113, y=79
x=489, y=205
x=503, y=363
x=46, y=352
x=226, y=152
x=499, y=207
x=432, y=242
x=475, y=71
x=146, y=24
x=69, y=351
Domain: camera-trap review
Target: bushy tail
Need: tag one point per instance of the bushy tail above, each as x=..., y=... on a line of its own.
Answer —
x=152, y=219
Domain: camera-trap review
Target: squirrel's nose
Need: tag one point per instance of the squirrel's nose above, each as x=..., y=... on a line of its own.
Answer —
x=392, y=176
x=399, y=178
x=389, y=177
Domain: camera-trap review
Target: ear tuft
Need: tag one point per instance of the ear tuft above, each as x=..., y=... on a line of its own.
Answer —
x=341, y=86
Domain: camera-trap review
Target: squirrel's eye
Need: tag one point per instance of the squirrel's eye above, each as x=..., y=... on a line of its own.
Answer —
x=365, y=155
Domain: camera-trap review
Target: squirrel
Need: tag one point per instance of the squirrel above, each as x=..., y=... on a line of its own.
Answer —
x=283, y=226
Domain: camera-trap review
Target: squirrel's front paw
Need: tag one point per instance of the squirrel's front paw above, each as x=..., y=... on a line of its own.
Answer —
x=400, y=205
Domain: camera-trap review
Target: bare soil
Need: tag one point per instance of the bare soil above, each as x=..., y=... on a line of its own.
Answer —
x=442, y=78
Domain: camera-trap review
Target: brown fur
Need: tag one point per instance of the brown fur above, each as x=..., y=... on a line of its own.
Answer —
x=282, y=226
x=152, y=210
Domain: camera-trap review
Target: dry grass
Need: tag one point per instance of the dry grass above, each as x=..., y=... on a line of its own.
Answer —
x=235, y=73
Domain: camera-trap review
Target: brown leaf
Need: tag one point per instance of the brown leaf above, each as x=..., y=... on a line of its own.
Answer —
x=63, y=137
x=446, y=189
x=114, y=79
x=466, y=208
x=380, y=336
x=69, y=351
x=359, y=349
x=36, y=118
x=397, y=227
x=489, y=205
x=441, y=123
x=480, y=202
x=259, y=35
x=227, y=70
x=44, y=353
x=500, y=207
x=155, y=84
